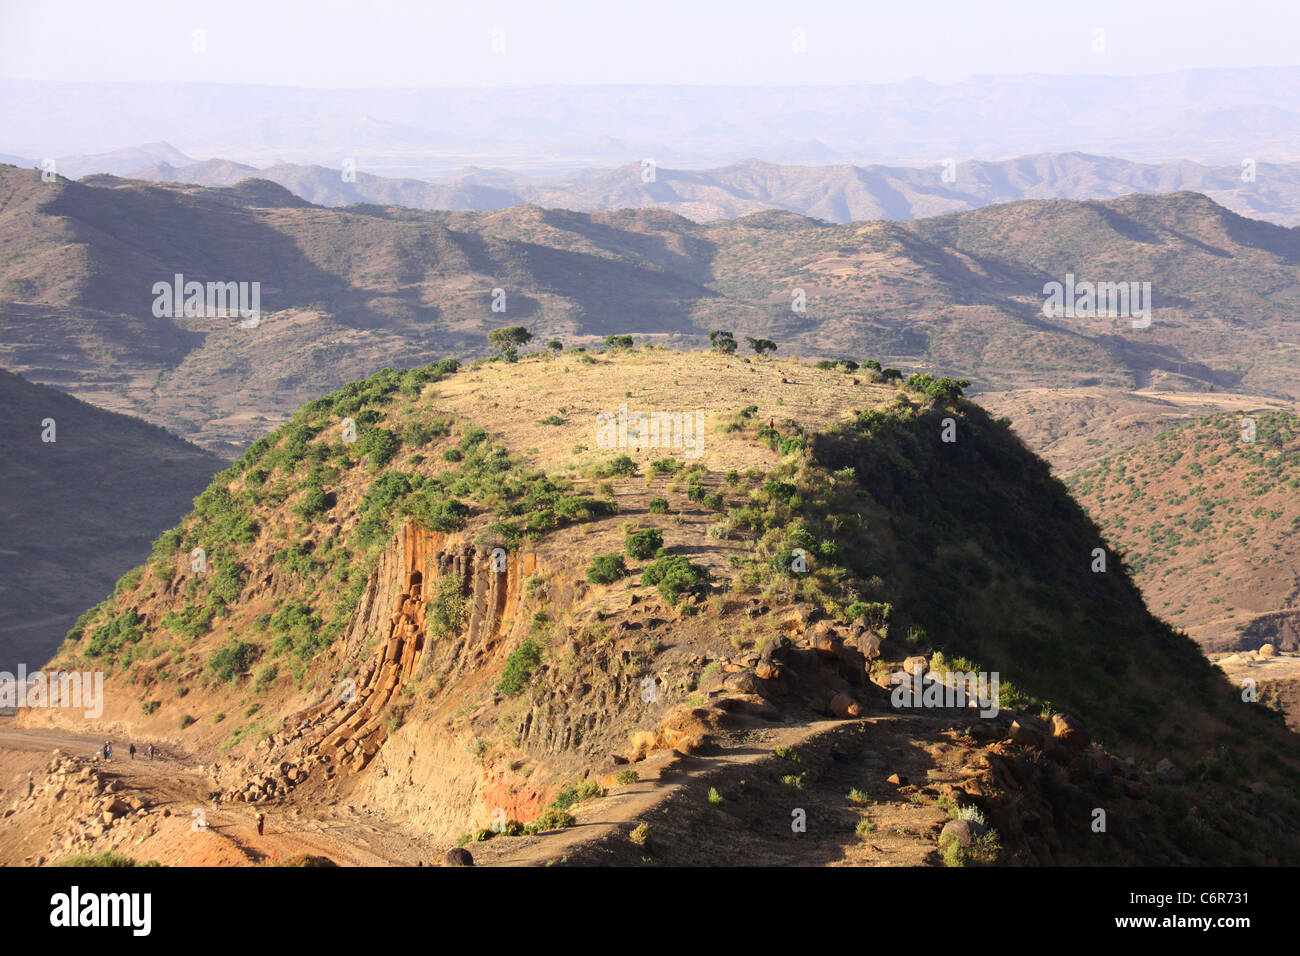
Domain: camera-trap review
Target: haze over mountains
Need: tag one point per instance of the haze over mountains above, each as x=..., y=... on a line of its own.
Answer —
x=1219, y=116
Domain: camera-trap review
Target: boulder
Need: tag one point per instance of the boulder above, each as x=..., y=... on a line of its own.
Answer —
x=963, y=831
x=869, y=645
x=691, y=744
x=457, y=856
x=1267, y=650
x=822, y=637
x=852, y=664
x=916, y=665
x=797, y=617
x=844, y=706
x=1069, y=731
x=743, y=683
x=1024, y=736
x=766, y=670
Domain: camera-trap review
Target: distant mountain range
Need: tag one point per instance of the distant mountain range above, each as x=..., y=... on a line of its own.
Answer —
x=1269, y=191
x=1214, y=116
x=348, y=291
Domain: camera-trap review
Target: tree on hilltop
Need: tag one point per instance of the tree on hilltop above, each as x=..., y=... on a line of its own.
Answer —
x=722, y=341
x=761, y=346
x=507, y=339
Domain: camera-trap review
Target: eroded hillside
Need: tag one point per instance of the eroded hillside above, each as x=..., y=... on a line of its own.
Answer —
x=493, y=616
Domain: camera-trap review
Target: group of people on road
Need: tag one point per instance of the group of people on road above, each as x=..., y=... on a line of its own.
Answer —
x=106, y=751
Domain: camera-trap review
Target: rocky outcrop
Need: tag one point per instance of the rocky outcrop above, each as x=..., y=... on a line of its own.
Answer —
x=1279, y=628
x=383, y=650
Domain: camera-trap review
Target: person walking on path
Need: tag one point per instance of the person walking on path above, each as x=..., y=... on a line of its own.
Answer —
x=108, y=751
x=149, y=751
x=131, y=751
x=261, y=822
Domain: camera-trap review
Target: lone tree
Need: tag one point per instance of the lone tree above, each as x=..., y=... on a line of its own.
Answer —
x=761, y=346
x=507, y=339
x=619, y=341
x=555, y=345
x=722, y=341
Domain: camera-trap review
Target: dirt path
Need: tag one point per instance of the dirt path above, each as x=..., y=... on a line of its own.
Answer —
x=664, y=775
x=202, y=833
x=751, y=826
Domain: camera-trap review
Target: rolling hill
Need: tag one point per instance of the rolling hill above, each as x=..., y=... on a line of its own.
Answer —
x=486, y=620
x=80, y=510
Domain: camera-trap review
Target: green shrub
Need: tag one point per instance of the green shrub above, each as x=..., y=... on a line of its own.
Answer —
x=551, y=820
x=233, y=660
x=606, y=569
x=108, y=640
x=519, y=667
x=435, y=512
x=227, y=583
x=380, y=445
x=622, y=466
x=314, y=502
x=266, y=674
x=658, y=506
x=575, y=793
x=984, y=850
x=190, y=621
x=298, y=628
x=642, y=545
x=673, y=575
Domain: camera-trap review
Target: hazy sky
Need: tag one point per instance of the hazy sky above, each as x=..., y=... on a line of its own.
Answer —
x=373, y=43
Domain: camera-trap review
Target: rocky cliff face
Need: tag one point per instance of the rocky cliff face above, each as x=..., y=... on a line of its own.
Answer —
x=385, y=651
